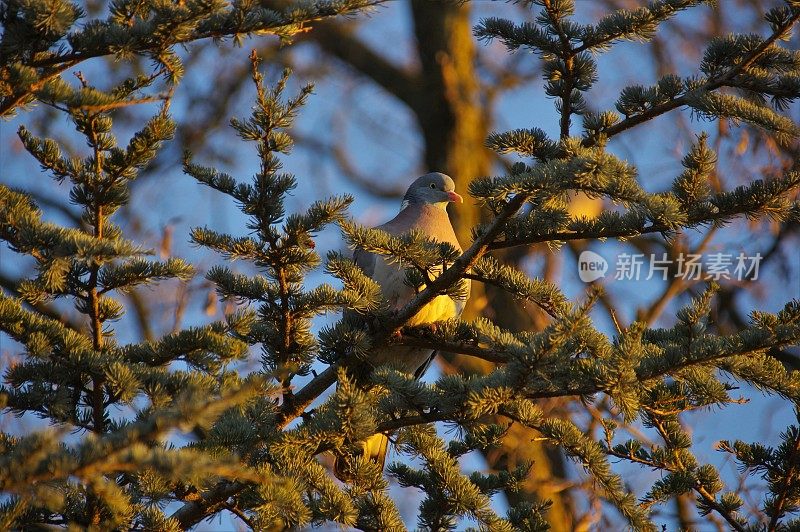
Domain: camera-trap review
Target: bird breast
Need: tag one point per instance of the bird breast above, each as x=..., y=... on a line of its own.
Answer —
x=391, y=279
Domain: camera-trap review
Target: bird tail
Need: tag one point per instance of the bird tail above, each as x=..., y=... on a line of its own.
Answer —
x=375, y=448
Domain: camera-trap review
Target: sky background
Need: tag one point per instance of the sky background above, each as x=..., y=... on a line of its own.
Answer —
x=386, y=146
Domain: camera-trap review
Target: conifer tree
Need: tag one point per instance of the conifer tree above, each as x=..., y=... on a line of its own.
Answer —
x=257, y=436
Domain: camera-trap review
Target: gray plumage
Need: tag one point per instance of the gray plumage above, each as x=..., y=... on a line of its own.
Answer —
x=424, y=208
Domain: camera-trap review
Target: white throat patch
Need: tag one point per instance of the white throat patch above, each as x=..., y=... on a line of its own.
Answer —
x=442, y=205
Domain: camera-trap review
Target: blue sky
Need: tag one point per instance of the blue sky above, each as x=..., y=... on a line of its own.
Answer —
x=172, y=199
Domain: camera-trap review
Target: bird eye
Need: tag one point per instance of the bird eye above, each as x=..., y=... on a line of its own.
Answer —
x=433, y=185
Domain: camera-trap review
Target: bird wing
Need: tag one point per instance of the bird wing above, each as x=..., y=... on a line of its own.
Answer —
x=366, y=261
x=435, y=224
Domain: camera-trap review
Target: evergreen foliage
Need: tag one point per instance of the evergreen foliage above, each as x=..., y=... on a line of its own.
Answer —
x=43, y=39
x=255, y=440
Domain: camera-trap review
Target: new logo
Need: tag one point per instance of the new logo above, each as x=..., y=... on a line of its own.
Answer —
x=591, y=266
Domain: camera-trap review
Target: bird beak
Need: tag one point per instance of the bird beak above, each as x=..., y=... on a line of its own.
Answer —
x=452, y=196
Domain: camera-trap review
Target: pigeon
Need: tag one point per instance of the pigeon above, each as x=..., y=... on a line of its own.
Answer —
x=424, y=208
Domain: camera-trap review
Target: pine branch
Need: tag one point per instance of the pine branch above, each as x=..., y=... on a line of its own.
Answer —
x=489, y=355
x=760, y=198
x=568, y=55
x=726, y=78
x=194, y=512
x=116, y=451
x=276, y=27
x=103, y=38
x=709, y=499
x=785, y=484
x=645, y=372
x=639, y=24
x=453, y=273
x=247, y=459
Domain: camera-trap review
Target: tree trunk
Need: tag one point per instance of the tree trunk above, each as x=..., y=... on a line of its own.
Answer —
x=454, y=127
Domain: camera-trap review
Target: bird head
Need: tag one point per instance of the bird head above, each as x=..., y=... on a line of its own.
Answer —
x=435, y=188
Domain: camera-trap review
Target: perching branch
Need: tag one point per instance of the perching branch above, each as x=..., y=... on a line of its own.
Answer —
x=487, y=354
x=195, y=511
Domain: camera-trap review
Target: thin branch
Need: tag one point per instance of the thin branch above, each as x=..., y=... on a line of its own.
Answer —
x=490, y=355
x=725, y=79
x=676, y=286
x=709, y=499
x=241, y=515
x=567, y=54
x=116, y=105
x=345, y=46
x=96, y=320
x=548, y=309
x=785, y=485
x=193, y=512
x=460, y=266
x=65, y=61
x=339, y=156
x=564, y=236
x=142, y=313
